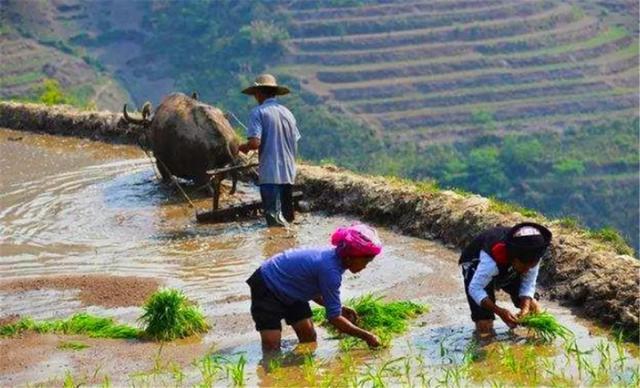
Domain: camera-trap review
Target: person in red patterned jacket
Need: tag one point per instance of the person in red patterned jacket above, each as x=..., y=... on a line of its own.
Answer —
x=508, y=259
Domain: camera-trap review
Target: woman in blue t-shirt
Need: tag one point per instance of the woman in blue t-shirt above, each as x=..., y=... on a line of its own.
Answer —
x=284, y=284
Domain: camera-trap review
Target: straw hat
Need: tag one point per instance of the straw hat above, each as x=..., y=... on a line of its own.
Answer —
x=266, y=81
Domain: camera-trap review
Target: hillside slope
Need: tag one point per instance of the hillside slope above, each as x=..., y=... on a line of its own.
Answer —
x=34, y=47
x=424, y=71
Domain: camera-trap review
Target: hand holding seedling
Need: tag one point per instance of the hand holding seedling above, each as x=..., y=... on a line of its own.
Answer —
x=504, y=314
x=373, y=341
x=350, y=314
x=508, y=317
x=528, y=306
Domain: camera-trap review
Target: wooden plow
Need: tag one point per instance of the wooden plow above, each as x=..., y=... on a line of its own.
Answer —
x=247, y=209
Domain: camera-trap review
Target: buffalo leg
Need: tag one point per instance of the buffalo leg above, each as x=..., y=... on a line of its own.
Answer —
x=234, y=182
x=216, y=192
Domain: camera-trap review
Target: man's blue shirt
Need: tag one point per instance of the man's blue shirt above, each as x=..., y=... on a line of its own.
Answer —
x=303, y=274
x=276, y=128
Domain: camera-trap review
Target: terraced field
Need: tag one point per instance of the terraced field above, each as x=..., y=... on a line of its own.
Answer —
x=436, y=71
x=35, y=44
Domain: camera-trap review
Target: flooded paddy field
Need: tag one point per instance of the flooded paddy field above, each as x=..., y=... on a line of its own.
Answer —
x=88, y=227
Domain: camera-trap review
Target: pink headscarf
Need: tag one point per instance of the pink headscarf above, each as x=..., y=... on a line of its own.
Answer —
x=358, y=240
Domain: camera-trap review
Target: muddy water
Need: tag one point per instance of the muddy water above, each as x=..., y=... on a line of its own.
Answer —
x=71, y=208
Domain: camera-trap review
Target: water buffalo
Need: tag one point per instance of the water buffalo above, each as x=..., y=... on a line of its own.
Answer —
x=188, y=138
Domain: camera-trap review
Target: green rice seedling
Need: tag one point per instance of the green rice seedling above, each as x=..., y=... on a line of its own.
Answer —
x=349, y=371
x=310, y=370
x=508, y=359
x=471, y=353
x=425, y=381
x=68, y=381
x=572, y=349
x=383, y=375
x=168, y=315
x=621, y=356
x=236, y=371
x=274, y=365
x=383, y=318
x=72, y=345
x=177, y=373
x=106, y=382
x=209, y=367
x=545, y=326
x=81, y=323
x=97, y=327
x=443, y=350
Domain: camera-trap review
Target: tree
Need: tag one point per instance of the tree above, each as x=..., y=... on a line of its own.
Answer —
x=52, y=93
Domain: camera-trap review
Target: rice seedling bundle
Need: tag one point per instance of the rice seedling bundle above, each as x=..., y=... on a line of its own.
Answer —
x=545, y=326
x=168, y=315
x=81, y=323
x=383, y=318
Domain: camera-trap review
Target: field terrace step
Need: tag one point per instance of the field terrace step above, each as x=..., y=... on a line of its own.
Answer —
x=508, y=61
x=415, y=20
x=368, y=10
x=470, y=80
x=501, y=94
x=619, y=79
x=584, y=28
x=427, y=136
x=488, y=94
x=472, y=32
x=519, y=110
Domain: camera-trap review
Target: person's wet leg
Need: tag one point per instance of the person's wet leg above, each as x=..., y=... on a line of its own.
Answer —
x=305, y=331
x=270, y=340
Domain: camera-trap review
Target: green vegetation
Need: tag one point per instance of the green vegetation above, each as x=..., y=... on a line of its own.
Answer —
x=385, y=319
x=555, y=172
x=545, y=326
x=24, y=78
x=72, y=345
x=613, y=238
x=508, y=208
x=50, y=92
x=81, y=323
x=484, y=119
x=169, y=315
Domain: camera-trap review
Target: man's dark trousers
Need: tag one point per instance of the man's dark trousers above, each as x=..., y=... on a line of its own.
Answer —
x=277, y=203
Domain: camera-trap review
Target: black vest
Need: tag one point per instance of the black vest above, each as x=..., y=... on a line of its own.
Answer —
x=492, y=241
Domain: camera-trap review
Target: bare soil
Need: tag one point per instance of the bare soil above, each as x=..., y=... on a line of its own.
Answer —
x=95, y=290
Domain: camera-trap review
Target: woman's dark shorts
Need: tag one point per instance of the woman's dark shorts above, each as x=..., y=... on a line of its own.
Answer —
x=478, y=312
x=267, y=310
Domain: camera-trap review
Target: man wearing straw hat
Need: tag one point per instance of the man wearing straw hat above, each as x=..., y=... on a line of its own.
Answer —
x=272, y=130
